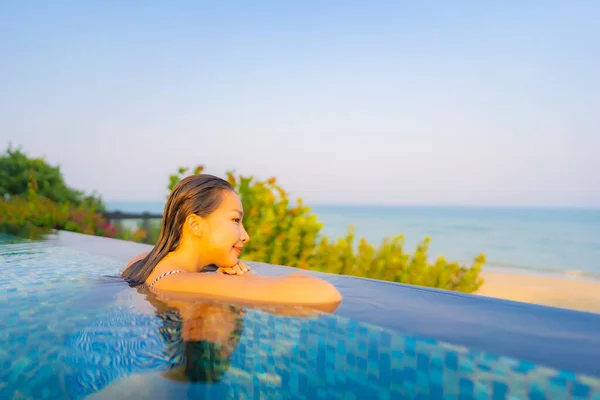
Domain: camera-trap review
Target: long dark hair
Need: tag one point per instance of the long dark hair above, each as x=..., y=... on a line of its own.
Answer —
x=198, y=194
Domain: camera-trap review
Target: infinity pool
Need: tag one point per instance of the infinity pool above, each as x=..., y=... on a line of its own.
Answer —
x=69, y=330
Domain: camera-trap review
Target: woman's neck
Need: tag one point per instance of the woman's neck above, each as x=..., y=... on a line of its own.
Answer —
x=186, y=257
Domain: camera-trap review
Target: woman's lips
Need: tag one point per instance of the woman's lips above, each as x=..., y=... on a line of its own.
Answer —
x=238, y=249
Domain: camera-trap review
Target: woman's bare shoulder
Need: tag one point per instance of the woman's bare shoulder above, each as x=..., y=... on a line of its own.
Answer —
x=136, y=258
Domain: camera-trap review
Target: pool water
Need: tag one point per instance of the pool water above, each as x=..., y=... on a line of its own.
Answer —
x=70, y=331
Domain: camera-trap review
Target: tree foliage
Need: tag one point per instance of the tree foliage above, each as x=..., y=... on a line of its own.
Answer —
x=18, y=172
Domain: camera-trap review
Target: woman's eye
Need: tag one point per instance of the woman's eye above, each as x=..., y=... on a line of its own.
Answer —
x=237, y=220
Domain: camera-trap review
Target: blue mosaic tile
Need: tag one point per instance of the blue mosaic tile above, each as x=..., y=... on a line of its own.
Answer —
x=567, y=375
x=580, y=390
x=466, y=366
x=38, y=264
x=481, y=391
x=452, y=361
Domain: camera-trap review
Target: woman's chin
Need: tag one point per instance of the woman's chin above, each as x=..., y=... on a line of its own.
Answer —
x=228, y=263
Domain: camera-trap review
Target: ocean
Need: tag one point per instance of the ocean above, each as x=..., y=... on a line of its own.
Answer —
x=536, y=240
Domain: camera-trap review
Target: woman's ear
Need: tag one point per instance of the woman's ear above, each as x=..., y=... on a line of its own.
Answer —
x=195, y=224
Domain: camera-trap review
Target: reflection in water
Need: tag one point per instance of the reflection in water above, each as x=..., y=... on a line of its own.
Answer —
x=197, y=338
x=200, y=339
x=12, y=233
x=201, y=335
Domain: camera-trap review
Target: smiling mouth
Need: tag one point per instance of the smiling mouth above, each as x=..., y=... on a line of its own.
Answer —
x=238, y=249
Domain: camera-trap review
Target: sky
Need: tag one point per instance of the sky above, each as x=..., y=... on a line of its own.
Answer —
x=345, y=102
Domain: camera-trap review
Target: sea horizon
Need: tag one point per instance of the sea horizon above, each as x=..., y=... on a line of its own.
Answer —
x=546, y=240
x=155, y=203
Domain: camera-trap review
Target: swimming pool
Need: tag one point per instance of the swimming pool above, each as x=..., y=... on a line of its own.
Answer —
x=68, y=331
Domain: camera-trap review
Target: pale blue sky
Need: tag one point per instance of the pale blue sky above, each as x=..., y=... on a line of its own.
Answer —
x=395, y=102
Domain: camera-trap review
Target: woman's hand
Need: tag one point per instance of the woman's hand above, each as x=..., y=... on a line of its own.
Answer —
x=239, y=269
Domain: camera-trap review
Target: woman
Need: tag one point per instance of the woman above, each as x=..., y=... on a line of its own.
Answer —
x=202, y=226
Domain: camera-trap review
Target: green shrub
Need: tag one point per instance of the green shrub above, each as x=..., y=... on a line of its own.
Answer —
x=289, y=234
x=137, y=233
x=45, y=213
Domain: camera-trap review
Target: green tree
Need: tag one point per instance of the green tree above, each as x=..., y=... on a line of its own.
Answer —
x=18, y=171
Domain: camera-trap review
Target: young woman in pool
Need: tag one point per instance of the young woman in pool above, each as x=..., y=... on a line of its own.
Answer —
x=202, y=227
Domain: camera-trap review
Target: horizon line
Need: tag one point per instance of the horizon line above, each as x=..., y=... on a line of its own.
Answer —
x=412, y=205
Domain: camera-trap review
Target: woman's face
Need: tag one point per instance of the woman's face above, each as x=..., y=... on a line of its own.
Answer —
x=224, y=235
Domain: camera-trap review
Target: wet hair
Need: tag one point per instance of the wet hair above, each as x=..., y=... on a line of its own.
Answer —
x=199, y=194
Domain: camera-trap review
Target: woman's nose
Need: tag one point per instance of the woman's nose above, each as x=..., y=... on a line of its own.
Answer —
x=245, y=237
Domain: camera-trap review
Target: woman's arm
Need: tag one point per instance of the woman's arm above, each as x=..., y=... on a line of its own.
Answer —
x=299, y=289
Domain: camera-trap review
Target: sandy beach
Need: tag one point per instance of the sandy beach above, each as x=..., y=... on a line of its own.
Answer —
x=568, y=292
